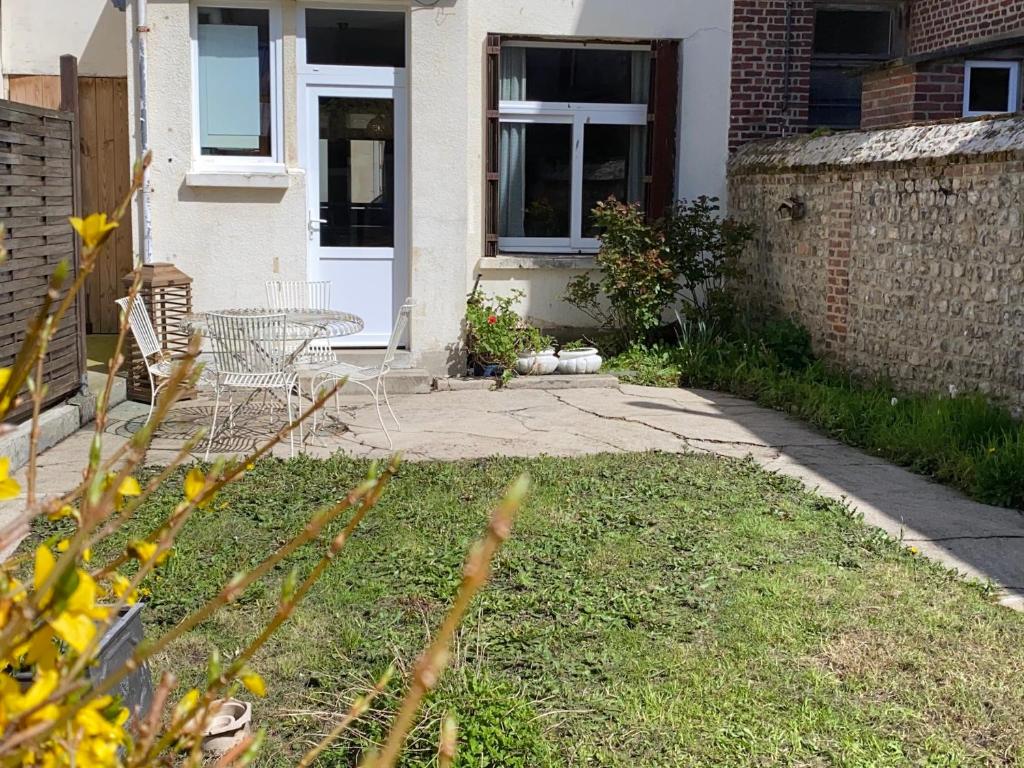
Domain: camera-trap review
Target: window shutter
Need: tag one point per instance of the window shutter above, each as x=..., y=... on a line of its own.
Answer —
x=491, y=150
x=664, y=117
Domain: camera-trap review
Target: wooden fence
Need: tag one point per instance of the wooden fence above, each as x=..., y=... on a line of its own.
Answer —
x=37, y=194
x=106, y=176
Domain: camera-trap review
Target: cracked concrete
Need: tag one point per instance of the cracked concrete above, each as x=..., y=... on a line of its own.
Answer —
x=980, y=541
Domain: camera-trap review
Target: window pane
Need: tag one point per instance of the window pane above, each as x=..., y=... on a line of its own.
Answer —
x=613, y=166
x=234, y=81
x=535, y=180
x=357, y=171
x=355, y=38
x=990, y=89
x=835, y=99
x=853, y=33
x=584, y=75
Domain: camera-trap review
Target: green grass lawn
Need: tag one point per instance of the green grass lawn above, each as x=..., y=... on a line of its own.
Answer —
x=650, y=610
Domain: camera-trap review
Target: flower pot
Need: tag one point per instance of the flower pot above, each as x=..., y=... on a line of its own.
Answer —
x=585, y=360
x=487, y=370
x=534, y=363
x=230, y=724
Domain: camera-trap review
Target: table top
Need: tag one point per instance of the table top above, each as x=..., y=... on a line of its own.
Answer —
x=301, y=324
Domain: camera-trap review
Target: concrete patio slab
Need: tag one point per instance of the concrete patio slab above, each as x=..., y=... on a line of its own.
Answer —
x=980, y=541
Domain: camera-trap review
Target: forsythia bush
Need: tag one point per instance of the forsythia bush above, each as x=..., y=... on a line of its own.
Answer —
x=55, y=610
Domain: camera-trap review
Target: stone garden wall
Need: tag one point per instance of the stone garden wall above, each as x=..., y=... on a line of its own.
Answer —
x=909, y=260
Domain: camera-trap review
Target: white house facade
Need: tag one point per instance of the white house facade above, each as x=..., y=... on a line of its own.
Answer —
x=402, y=149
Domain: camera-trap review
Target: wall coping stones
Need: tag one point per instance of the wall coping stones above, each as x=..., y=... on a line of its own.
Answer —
x=963, y=139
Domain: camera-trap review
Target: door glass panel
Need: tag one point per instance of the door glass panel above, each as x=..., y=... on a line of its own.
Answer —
x=357, y=172
x=355, y=38
x=536, y=180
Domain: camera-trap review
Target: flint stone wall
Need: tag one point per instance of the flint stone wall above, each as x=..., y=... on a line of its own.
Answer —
x=909, y=263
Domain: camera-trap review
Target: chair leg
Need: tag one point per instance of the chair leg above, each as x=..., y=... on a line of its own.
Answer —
x=213, y=425
x=384, y=390
x=291, y=432
x=380, y=416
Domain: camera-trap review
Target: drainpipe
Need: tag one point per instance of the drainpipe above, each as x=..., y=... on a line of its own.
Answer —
x=141, y=32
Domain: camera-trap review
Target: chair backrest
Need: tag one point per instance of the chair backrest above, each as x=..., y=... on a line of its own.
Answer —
x=141, y=325
x=401, y=322
x=298, y=294
x=248, y=343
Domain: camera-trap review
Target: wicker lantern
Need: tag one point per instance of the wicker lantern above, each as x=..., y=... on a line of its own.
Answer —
x=167, y=292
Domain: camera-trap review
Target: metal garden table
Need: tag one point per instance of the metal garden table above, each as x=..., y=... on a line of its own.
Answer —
x=302, y=326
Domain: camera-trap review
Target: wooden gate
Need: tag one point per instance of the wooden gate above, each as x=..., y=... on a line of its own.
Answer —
x=37, y=194
x=106, y=176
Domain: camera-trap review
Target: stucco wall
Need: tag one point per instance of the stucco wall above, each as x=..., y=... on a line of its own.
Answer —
x=36, y=33
x=910, y=262
x=231, y=241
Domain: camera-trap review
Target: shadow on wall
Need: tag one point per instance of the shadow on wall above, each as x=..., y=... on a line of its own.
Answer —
x=239, y=195
x=105, y=52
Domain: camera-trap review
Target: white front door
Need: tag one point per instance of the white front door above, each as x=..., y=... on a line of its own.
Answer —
x=354, y=151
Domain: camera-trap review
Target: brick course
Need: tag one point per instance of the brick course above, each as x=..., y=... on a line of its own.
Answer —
x=938, y=24
x=759, y=82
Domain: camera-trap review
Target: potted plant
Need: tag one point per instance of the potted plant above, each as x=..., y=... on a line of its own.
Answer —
x=537, y=353
x=493, y=334
x=578, y=357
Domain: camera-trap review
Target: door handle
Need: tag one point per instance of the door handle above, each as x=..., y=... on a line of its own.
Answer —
x=313, y=225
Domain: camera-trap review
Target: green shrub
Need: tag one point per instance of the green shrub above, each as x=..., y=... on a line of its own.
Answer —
x=647, y=267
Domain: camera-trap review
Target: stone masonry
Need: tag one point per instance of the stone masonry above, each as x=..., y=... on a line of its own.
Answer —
x=909, y=263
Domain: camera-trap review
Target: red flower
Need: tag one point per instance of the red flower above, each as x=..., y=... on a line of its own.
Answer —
x=492, y=320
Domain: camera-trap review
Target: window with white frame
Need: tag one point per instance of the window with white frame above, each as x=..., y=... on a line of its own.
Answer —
x=991, y=87
x=573, y=132
x=236, y=72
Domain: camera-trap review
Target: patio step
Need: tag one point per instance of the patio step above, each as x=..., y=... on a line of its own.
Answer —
x=400, y=381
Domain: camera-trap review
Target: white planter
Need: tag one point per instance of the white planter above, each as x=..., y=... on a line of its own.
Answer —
x=535, y=363
x=585, y=360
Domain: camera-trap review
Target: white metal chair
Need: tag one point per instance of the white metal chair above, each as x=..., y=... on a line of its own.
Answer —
x=159, y=361
x=376, y=374
x=251, y=353
x=303, y=294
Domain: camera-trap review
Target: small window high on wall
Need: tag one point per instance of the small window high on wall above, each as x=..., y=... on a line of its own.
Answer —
x=991, y=87
x=845, y=40
x=236, y=89
x=570, y=127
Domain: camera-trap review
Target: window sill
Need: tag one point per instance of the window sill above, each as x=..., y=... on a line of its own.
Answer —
x=539, y=261
x=272, y=177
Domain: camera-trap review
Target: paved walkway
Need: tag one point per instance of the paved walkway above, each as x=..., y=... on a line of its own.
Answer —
x=981, y=541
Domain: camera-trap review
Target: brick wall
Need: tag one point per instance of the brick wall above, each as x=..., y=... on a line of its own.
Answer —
x=910, y=262
x=938, y=24
x=759, y=69
x=913, y=93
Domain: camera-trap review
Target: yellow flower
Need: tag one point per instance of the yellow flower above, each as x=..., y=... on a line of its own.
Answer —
x=15, y=703
x=195, y=482
x=119, y=585
x=144, y=551
x=76, y=623
x=253, y=682
x=66, y=511
x=912, y=550
x=129, y=487
x=9, y=488
x=5, y=401
x=93, y=229
x=186, y=705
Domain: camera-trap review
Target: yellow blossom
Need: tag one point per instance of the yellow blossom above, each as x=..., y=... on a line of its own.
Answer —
x=912, y=550
x=65, y=511
x=93, y=229
x=253, y=682
x=195, y=482
x=5, y=377
x=129, y=487
x=14, y=702
x=76, y=622
x=9, y=488
x=187, y=704
x=144, y=551
x=120, y=586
